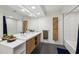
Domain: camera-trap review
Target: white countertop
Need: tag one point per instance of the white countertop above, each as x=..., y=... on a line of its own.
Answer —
x=26, y=36
x=21, y=38
x=12, y=44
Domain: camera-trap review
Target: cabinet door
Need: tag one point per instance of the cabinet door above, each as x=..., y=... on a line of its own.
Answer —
x=38, y=39
x=55, y=28
x=30, y=45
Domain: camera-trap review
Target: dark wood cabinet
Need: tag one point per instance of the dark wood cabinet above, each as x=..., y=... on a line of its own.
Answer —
x=25, y=25
x=32, y=43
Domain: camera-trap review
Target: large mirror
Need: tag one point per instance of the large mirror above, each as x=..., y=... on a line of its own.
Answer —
x=13, y=26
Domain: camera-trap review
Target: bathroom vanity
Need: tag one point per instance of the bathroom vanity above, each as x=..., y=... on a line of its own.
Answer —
x=25, y=43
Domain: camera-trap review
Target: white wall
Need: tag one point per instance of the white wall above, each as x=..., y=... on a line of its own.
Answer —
x=1, y=25
x=45, y=23
x=71, y=23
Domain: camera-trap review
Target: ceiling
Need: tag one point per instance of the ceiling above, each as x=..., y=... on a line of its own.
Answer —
x=35, y=10
x=52, y=9
x=76, y=9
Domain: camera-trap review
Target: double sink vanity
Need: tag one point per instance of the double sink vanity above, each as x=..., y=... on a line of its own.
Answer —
x=25, y=43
